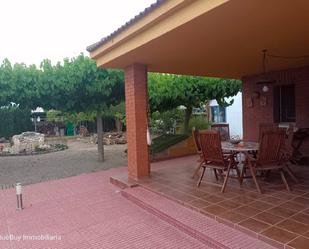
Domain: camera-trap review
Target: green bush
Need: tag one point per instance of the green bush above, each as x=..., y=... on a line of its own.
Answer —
x=165, y=122
x=14, y=121
x=199, y=122
x=60, y=146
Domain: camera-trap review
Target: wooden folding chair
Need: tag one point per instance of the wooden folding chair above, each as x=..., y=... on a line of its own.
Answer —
x=195, y=135
x=269, y=156
x=210, y=143
x=263, y=127
x=287, y=151
x=223, y=129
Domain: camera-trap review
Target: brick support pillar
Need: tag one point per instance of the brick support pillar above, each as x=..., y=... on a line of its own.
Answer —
x=137, y=120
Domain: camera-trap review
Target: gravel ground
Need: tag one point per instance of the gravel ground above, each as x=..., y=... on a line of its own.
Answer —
x=81, y=157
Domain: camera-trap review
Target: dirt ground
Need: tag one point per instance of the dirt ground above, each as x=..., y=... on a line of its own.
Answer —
x=81, y=157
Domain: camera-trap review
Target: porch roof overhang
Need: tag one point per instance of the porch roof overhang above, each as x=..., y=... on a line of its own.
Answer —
x=220, y=38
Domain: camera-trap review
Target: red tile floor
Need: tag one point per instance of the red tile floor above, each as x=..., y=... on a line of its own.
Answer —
x=83, y=212
x=277, y=217
x=87, y=211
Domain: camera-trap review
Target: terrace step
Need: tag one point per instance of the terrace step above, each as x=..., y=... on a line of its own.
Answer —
x=208, y=231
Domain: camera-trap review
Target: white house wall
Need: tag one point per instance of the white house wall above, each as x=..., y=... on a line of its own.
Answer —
x=233, y=115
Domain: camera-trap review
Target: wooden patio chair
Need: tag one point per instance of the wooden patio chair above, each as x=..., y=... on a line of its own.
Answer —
x=262, y=128
x=287, y=151
x=269, y=156
x=195, y=135
x=223, y=129
x=266, y=127
x=210, y=143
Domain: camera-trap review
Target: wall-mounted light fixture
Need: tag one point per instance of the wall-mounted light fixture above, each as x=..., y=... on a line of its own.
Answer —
x=265, y=89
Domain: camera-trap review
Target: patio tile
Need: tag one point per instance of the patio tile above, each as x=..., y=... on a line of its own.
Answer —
x=212, y=198
x=210, y=189
x=283, y=195
x=261, y=205
x=268, y=218
x=228, y=195
x=229, y=204
x=293, y=205
x=299, y=243
x=279, y=234
x=243, y=199
x=306, y=211
x=243, y=203
x=247, y=211
x=283, y=212
x=253, y=195
x=300, y=217
x=254, y=225
x=293, y=226
x=179, y=196
x=194, y=192
x=182, y=196
x=306, y=195
x=199, y=203
x=306, y=234
x=302, y=200
x=214, y=210
x=232, y=216
x=273, y=200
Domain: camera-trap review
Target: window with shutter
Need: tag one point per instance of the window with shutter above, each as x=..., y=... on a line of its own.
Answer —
x=284, y=103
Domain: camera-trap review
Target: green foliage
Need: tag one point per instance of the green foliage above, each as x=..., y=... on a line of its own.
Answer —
x=75, y=118
x=78, y=85
x=199, y=122
x=117, y=112
x=168, y=91
x=164, y=122
x=60, y=146
x=54, y=116
x=19, y=84
x=76, y=88
x=165, y=141
x=14, y=120
x=75, y=85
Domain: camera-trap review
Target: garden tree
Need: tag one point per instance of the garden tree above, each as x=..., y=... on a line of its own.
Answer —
x=168, y=91
x=6, y=88
x=18, y=96
x=117, y=112
x=78, y=85
x=18, y=84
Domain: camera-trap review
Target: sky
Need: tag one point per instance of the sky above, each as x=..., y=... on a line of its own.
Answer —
x=33, y=30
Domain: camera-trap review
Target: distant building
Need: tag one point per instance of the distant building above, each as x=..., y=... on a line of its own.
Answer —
x=231, y=114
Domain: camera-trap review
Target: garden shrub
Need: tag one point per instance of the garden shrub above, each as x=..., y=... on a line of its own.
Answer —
x=14, y=121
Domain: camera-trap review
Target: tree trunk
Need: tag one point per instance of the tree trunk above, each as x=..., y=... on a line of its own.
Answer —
x=118, y=124
x=188, y=113
x=100, y=136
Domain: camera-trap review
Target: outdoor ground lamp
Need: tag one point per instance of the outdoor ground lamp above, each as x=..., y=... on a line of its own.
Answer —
x=19, y=197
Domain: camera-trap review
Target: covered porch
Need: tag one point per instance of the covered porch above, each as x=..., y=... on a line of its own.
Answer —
x=220, y=38
x=216, y=38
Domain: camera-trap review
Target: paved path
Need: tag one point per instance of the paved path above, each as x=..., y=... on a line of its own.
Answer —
x=81, y=157
x=80, y=212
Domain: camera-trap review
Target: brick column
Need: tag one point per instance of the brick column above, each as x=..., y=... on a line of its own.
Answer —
x=137, y=120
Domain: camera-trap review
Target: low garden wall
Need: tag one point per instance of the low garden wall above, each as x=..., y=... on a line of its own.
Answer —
x=182, y=148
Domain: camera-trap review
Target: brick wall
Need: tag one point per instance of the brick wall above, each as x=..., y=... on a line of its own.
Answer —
x=253, y=116
x=136, y=119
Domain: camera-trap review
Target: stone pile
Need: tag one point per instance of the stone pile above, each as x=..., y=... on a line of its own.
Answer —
x=28, y=142
x=110, y=138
